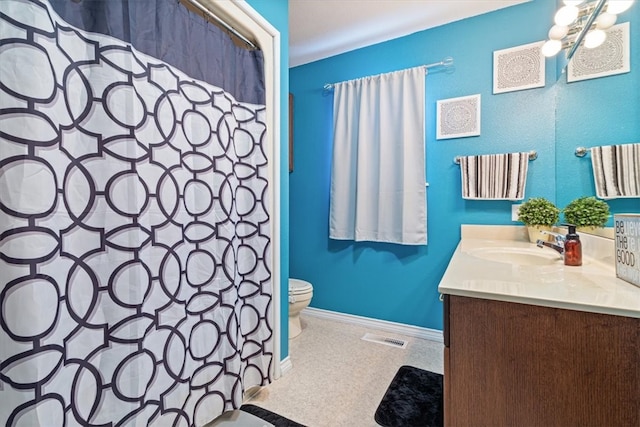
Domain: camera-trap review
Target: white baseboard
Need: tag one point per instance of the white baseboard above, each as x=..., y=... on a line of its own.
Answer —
x=382, y=325
x=285, y=366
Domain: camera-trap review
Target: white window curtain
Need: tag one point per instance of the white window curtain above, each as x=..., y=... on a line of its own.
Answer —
x=378, y=172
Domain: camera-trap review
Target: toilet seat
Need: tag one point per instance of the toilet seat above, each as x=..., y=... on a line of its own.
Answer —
x=299, y=287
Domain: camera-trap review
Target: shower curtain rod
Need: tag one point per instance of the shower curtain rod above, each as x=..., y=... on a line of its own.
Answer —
x=228, y=27
x=446, y=62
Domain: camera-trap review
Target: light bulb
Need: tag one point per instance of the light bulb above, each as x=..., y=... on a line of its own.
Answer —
x=594, y=38
x=605, y=21
x=573, y=2
x=618, y=6
x=566, y=15
x=551, y=47
x=557, y=32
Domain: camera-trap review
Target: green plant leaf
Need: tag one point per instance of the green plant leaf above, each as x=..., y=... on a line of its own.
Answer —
x=538, y=211
x=586, y=212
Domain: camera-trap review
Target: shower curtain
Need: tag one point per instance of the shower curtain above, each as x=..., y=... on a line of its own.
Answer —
x=135, y=282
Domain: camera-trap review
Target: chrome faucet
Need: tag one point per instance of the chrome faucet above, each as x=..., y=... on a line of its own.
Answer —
x=557, y=246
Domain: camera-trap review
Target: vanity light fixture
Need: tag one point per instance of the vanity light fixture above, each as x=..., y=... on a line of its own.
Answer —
x=582, y=22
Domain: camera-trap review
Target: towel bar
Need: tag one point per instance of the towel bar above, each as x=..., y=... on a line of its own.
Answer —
x=533, y=154
x=581, y=151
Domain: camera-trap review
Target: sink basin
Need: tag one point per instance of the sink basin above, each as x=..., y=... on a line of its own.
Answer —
x=521, y=256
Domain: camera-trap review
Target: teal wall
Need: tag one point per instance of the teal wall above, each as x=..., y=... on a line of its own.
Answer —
x=277, y=13
x=399, y=283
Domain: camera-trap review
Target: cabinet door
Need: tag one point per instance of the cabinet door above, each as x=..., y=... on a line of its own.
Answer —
x=522, y=365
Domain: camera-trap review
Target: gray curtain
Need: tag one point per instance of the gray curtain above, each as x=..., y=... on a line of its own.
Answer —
x=135, y=279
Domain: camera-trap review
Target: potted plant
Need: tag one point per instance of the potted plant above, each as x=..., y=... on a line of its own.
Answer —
x=586, y=213
x=538, y=214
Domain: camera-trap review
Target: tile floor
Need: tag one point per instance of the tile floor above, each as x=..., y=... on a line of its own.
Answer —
x=337, y=379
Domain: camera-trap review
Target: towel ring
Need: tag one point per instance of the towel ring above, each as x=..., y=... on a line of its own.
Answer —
x=533, y=154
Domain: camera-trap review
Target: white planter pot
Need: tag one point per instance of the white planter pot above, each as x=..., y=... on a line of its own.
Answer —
x=536, y=233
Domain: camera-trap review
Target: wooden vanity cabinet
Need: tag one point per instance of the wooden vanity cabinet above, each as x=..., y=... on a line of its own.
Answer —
x=511, y=364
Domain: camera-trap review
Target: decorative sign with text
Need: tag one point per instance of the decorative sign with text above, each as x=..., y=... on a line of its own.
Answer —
x=627, y=229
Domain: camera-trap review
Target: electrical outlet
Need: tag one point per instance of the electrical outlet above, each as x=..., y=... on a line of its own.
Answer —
x=514, y=212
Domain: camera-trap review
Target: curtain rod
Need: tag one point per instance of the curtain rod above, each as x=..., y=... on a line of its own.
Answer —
x=228, y=27
x=446, y=62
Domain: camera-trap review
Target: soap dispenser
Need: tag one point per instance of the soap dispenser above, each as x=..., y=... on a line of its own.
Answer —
x=572, y=247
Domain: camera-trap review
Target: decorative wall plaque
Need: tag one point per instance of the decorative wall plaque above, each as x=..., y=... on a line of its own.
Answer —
x=627, y=257
x=611, y=57
x=518, y=68
x=458, y=117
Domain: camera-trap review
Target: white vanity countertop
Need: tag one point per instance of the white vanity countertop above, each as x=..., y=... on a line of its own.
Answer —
x=593, y=287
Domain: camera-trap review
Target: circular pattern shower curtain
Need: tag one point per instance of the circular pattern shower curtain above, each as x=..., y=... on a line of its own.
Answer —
x=134, y=251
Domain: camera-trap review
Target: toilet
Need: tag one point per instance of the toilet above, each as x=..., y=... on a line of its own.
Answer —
x=300, y=294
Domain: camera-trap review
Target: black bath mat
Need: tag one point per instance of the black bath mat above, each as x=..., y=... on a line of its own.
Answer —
x=414, y=398
x=271, y=417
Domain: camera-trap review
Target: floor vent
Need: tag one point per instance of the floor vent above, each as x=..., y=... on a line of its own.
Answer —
x=393, y=342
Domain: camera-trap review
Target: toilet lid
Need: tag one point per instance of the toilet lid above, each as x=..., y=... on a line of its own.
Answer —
x=297, y=286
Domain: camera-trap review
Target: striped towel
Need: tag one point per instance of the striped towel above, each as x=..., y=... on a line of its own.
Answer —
x=494, y=176
x=616, y=170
